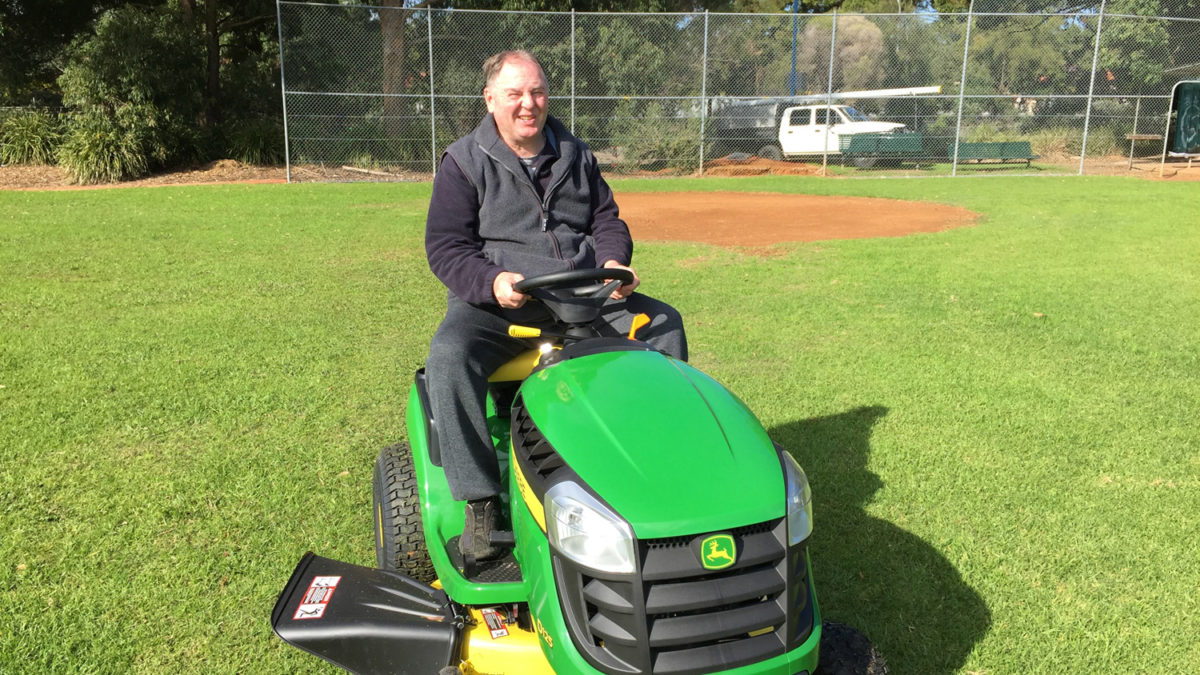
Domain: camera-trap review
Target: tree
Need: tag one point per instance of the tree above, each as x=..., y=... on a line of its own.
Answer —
x=33, y=34
x=858, y=62
x=233, y=32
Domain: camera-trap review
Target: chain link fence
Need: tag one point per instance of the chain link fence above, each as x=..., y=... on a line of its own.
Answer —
x=377, y=93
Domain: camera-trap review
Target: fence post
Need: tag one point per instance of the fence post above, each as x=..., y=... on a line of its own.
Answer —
x=432, y=103
x=572, y=70
x=829, y=94
x=1087, y=117
x=962, y=88
x=287, y=157
x=703, y=91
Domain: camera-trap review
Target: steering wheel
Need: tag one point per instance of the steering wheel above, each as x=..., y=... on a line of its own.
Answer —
x=572, y=281
x=575, y=297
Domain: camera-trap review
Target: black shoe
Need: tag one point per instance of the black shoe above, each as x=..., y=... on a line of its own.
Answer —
x=483, y=518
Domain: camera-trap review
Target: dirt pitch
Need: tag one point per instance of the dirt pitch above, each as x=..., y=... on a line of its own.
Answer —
x=761, y=219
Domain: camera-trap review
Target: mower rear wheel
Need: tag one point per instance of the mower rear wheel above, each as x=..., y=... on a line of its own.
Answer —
x=399, y=536
x=846, y=651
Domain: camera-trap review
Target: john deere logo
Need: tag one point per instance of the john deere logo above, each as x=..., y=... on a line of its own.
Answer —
x=718, y=552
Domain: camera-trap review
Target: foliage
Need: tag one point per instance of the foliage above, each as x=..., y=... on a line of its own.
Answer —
x=1133, y=51
x=142, y=71
x=102, y=148
x=256, y=141
x=648, y=138
x=33, y=34
x=29, y=137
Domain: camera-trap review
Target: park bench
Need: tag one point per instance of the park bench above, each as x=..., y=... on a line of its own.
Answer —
x=882, y=145
x=1001, y=151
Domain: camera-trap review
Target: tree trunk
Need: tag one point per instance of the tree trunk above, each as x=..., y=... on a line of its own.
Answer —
x=212, y=45
x=392, y=26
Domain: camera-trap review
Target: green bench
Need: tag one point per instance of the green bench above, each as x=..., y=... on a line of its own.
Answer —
x=882, y=145
x=1001, y=151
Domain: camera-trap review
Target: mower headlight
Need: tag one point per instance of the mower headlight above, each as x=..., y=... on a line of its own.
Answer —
x=799, y=501
x=588, y=532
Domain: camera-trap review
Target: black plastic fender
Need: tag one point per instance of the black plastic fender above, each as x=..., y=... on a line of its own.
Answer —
x=367, y=620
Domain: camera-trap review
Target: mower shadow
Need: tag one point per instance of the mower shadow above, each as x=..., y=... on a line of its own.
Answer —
x=897, y=589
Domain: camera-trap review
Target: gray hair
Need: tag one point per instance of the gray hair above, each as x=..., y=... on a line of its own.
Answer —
x=493, y=64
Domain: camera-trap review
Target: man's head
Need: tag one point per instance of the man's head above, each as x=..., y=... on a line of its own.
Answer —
x=517, y=95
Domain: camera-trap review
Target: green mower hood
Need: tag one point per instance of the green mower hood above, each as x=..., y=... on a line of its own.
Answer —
x=670, y=449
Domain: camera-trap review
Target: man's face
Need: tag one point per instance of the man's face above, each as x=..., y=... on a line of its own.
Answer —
x=518, y=98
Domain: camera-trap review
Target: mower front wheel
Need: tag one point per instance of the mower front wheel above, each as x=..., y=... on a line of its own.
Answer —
x=399, y=536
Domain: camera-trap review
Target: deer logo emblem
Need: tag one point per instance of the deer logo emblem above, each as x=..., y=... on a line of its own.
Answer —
x=718, y=552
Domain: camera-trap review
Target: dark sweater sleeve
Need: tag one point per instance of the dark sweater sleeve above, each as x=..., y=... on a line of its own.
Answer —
x=452, y=242
x=610, y=233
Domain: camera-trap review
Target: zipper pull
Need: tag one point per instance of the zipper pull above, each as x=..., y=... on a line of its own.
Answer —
x=545, y=219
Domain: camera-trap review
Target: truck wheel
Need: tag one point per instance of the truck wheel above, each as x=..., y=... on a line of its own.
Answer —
x=770, y=151
x=845, y=651
x=399, y=536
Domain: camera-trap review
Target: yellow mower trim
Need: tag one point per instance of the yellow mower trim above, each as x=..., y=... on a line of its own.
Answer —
x=518, y=653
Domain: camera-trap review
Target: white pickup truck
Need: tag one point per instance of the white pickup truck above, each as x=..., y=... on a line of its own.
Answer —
x=817, y=129
x=774, y=130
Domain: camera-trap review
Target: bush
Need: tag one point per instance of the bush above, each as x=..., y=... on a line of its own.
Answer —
x=258, y=141
x=1105, y=140
x=1068, y=142
x=29, y=137
x=652, y=139
x=1056, y=142
x=143, y=69
x=97, y=148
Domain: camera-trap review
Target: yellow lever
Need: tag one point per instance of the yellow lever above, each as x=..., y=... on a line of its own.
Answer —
x=524, y=332
x=638, y=321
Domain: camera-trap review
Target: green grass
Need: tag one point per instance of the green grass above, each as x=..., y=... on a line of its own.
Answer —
x=1000, y=422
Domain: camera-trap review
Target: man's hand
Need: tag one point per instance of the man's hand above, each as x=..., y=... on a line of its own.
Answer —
x=624, y=291
x=506, y=295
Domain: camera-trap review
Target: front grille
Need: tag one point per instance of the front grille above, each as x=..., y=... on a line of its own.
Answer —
x=675, y=617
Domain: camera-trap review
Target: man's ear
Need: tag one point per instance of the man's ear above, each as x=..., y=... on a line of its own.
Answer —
x=488, y=99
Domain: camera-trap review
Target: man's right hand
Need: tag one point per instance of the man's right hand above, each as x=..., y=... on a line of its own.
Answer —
x=506, y=295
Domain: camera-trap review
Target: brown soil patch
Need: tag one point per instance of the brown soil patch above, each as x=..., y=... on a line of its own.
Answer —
x=762, y=219
x=213, y=173
x=755, y=166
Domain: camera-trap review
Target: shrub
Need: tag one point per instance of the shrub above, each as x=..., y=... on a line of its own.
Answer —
x=1105, y=140
x=651, y=139
x=29, y=137
x=257, y=141
x=142, y=69
x=1060, y=142
x=97, y=148
x=1056, y=142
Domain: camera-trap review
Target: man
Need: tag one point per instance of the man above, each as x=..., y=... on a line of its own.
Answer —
x=519, y=196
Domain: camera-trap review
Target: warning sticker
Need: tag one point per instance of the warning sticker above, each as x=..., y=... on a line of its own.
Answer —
x=494, y=623
x=316, y=598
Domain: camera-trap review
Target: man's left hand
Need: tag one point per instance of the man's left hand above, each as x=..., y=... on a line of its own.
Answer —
x=624, y=291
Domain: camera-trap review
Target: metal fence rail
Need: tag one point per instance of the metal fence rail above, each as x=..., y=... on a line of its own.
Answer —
x=377, y=93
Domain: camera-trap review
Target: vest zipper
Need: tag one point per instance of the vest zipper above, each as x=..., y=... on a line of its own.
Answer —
x=543, y=207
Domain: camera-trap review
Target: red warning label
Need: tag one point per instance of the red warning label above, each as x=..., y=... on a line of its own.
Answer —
x=316, y=598
x=494, y=623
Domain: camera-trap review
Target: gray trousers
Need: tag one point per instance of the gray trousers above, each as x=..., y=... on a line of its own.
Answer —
x=471, y=343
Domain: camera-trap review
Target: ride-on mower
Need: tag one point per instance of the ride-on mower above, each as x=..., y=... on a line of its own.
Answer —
x=656, y=529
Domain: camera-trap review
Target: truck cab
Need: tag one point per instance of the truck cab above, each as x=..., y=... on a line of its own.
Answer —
x=816, y=129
